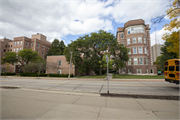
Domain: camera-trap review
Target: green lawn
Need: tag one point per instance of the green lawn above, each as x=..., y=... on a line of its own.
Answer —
x=118, y=76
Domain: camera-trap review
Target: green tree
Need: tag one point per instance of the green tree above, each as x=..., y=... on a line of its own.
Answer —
x=10, y=57
x=26, y=56
x=57, y=47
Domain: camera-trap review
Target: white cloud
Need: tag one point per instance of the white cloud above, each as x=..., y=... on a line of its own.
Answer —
x=57, y=19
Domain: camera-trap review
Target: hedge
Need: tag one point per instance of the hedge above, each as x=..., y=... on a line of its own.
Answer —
x=8, y=74
x=60, y=75
x=44, y=75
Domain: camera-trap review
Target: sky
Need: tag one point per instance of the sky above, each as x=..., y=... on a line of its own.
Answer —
x=67, y=20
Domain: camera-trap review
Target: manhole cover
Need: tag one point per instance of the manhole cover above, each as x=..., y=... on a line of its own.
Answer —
x=9, y=87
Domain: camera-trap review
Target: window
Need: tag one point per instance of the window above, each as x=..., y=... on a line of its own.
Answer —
x=4, y=50
x=6, y=46
x=128, y=41
x=16, y=49
x=138, y=71
x=31, y=44
x=14, y=43
x=38, y=51
x=151, y=71
x=123, y=70
x=59, y=62
x=140, y=50
x=11, y=45
x=42, y=52
x=47, y=48
x=21, y=42
x=27, y=44
x=134, y=50
x=122, y=36
x=140, y=61
x=19, y=48
x=129, y=62
x=134, y=39
x=132, y=30
x=146, y=62
x=122, y=43
x=139, y=39
x=129, y=51
x=17, y=43
x=171, y=68
x=59, y=71
x=128, y=30
x=130, y=71
x=177, y=68
x=145, y=51
x=143, y=29
x=144, y=40
x=146, y=71
x=38, y=45
x=139, y=29
x=135, y=61
x=135, y=29
x=43, y=47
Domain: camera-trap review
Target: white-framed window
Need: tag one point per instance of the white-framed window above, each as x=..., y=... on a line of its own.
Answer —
x=138, y=71
x=27, y=44
x=144, y=40
x=43, y=47
x=135, y=29
x=141, y=61
x=139, y=29
x=38, y=51
x=42, y=52
x=151, y=71
x=17, y=49
x=31, y=44
x=130, y=71
x=129, y=51
x=142, y=29
x=146, y=61
x=59, y=63
x=146, y=71
x=134, y=39
x=132, y=29
x=14, y=43
x=14, y=49
x=129, y=62
x=122, y=43
x=128, y=41
x=139, y=39
x=122, y=35
x=135, y=61
x=17, y=43
x=38, y=45
x=59, y=71
x=21, y=42
x=145, y=50
x=128, y=30
x=123, y=70
x=140, y=50
x=134, y=50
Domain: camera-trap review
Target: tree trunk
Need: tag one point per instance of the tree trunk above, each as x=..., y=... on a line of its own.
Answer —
x=100, y=71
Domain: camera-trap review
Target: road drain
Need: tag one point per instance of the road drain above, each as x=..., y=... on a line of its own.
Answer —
x=9, y=87
x=141, y=96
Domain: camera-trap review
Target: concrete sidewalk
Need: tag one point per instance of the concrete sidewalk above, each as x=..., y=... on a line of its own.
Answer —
x=51, y=105
x=84, y=79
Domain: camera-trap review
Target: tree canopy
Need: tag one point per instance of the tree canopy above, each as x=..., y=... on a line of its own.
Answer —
x=10, y=57
x=57, y=47
x=88, y=51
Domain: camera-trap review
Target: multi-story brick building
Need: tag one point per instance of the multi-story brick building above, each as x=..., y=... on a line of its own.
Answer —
x=135, y=35
x=37, y=43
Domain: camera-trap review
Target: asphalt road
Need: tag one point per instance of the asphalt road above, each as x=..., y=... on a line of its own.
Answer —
x=95, y=86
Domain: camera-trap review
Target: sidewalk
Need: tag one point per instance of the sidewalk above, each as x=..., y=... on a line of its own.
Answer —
x=87, y=79
x=56, y=105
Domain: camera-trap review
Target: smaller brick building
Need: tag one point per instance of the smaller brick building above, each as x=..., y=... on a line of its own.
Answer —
x=58, y=64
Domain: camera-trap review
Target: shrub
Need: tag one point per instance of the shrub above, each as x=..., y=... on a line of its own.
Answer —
x=60, y=75
x=8, y=74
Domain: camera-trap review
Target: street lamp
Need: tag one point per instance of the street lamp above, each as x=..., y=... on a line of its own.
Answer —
x=70, y=65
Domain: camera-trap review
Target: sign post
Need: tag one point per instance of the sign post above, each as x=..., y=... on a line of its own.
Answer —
x=107, y=60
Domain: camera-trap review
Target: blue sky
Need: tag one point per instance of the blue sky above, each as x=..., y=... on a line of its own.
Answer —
x=69, y=19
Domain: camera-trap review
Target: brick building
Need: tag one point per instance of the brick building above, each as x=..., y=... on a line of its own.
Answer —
x=58, y=64
x=135, y=35
x=37, y=43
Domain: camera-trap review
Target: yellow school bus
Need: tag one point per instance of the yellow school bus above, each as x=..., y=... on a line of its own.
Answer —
x=171, y=71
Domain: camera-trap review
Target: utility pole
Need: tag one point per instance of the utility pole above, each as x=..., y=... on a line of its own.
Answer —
x=107, y=60
x=70, y=66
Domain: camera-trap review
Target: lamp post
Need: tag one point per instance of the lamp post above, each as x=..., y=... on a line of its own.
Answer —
x=107, y=60
x=70, y=65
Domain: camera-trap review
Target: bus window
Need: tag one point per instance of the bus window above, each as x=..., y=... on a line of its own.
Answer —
x=171, y=68
x=165, y=68
x=177, y=68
